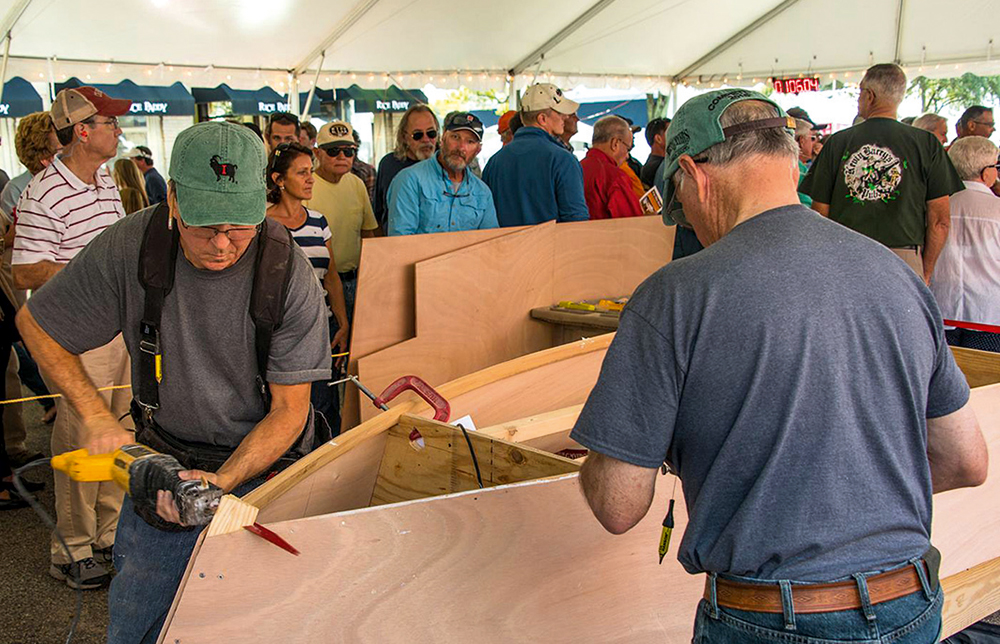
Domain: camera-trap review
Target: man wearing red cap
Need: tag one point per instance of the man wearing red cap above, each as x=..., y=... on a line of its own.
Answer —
x=503, y=127
x=63, y=208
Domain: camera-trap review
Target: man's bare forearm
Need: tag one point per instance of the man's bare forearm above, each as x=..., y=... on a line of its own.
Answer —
x=938, y=225
x=33, y=276
x=63, y=368
x=270, y=438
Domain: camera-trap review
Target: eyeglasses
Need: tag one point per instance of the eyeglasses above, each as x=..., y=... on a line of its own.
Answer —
x=987, y=124
x=419, y=134
x=112, y=121
x=995, y=166
x=208, y=233
x=333, y=153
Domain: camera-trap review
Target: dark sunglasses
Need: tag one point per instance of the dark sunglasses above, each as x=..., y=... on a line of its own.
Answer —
x=283, y=117
x=336, y=152
x=417, y=135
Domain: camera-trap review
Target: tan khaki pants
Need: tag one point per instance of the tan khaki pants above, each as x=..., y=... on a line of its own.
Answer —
x=14, y=432
x=913, y=257
x=87, y=513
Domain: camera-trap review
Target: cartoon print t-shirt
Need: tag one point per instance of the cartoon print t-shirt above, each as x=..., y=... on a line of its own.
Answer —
x=877, y=178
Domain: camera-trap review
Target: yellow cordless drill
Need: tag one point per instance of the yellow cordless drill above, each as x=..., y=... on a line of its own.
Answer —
x=142, y=472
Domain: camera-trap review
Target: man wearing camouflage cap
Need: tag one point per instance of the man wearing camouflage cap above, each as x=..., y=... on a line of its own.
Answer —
x=206, y=399
x=795, y=376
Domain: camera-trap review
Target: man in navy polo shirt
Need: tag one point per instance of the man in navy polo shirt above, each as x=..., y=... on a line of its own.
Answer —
x=534, y=179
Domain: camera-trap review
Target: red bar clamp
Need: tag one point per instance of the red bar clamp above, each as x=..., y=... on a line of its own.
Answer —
x=442, y=409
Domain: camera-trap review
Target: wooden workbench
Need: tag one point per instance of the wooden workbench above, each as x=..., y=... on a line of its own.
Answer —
x=571, y=326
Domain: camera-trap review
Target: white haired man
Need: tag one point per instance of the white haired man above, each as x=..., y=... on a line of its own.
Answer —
x=886, y=180
x=606, y=187
x=966, y=281
x=755, y=370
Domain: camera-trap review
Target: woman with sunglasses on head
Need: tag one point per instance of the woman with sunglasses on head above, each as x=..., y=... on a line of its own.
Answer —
x=290, y=182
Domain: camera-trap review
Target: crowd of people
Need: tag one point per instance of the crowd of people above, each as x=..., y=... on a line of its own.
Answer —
x=730, y=166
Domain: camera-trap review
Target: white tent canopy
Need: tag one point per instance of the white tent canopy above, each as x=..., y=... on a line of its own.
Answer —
x=625, y=44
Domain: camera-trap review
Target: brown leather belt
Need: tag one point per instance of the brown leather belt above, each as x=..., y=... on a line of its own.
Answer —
x=814, y=598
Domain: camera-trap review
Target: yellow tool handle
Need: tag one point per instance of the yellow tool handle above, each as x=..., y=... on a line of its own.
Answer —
x=576, y=306
x=79, y=465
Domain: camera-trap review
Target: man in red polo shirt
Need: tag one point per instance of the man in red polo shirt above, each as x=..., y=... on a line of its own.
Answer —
x=605, y=185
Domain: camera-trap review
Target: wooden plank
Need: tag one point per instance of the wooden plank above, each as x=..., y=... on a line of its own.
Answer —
x=386, y=298
x=444, y=464
x=472, y=311
x=969, y=596
x=980, y=367
x=345, y=483
x=233, y=514
x=537, y=426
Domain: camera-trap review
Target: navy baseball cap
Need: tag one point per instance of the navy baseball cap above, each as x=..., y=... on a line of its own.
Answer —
x=464, y=121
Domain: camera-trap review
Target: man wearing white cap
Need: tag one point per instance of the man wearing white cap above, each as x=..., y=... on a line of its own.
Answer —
x=534, y=179
x=343, y=199
x=60, y=212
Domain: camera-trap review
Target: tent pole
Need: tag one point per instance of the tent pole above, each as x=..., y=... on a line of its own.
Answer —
x=554, y=41
x=899, y=31
x=293, y=93
x=738, y=36
x=354, y=15
x=3, y=67
x=312, y=90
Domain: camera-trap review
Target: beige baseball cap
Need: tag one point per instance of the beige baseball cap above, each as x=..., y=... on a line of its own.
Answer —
x=544, y=96
x=80, y=103
x=335, y=133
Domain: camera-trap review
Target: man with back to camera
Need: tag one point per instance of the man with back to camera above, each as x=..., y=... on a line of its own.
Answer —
x=796, y=377
x=534, y=179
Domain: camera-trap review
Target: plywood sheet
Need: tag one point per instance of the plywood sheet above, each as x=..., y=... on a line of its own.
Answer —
x=588, y=260
x=417, y=570
x=386, y=298
x=610, y=257
x=472, y=311
x=526, y=562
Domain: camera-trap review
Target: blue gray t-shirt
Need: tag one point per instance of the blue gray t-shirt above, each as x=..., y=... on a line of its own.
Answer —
x=786, y=373
x=208, y=393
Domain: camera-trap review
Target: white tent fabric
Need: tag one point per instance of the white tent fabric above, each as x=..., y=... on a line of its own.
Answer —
x=623, y=44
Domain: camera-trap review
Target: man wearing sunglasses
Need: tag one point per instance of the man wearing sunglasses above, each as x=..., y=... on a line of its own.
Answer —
x=416, y=140
x=343, y=199
x=61, y=211
x=441, y=194
x=205, y=399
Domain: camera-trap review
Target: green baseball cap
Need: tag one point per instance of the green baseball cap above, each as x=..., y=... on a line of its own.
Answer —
x=695, y=128
x=218, y=170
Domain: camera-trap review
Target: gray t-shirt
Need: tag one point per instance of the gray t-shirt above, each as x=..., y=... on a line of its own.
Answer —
x=207, y=393
x=786, y=372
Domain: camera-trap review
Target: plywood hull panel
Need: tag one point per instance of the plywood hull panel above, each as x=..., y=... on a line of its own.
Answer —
x=519, y=562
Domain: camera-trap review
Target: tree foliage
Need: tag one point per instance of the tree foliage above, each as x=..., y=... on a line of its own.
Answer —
x=964, y=91
x=463, y=99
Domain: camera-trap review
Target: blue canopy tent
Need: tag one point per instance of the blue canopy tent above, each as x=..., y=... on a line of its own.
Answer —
x=258, y=101
x=150, y=100
x=19, y=98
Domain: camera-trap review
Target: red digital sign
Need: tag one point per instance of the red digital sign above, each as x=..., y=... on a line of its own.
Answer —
x=796, y=85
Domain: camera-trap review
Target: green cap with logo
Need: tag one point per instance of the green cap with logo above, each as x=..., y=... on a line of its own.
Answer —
x=695, y=128
x=218, y=170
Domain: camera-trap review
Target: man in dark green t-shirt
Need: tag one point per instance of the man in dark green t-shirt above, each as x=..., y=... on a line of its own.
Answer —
x=886, y=180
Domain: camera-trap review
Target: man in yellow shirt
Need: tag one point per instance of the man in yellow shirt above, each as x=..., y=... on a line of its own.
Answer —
x=343, y=199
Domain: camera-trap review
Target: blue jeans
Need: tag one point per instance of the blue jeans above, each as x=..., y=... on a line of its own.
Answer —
x=150, y=565
x=914, y=618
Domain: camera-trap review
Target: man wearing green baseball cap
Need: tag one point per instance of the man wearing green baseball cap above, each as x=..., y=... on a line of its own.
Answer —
x=795, y=376
x=209, y=387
